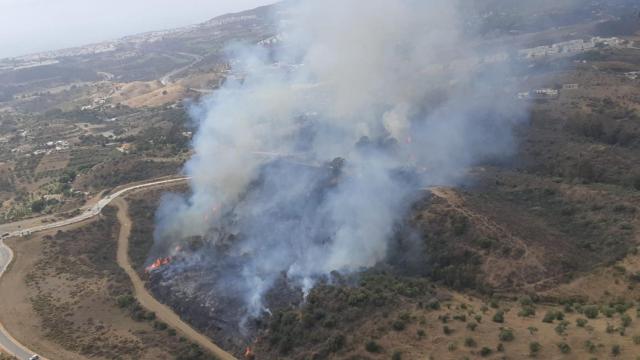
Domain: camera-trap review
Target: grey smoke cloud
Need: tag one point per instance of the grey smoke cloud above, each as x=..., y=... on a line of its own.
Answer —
x=395, y=88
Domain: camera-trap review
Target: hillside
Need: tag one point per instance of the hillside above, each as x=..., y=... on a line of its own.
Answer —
x=532, y=252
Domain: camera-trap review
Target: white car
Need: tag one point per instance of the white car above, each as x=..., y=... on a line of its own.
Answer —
x=34, y=357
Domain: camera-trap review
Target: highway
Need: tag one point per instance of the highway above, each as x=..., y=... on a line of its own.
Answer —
x=166, y=80
x=9, y=344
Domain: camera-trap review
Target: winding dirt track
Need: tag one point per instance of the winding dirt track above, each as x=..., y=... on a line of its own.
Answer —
x=162, y=311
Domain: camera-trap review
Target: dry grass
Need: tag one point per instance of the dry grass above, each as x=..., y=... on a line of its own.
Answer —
x=56, y=161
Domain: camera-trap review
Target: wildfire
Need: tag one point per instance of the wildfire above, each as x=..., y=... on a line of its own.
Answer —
x=160, y=262
x=214, y=211
x=248, y=354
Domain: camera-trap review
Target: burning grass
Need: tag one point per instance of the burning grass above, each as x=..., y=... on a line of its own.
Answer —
x=142, y=209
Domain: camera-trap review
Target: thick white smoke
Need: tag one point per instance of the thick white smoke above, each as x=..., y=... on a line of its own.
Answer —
x=395, y=88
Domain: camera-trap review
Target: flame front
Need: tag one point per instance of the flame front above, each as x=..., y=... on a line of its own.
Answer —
x=248, y=354
x=160, y=262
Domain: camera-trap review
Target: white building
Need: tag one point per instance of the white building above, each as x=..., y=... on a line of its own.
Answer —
x=545, y=93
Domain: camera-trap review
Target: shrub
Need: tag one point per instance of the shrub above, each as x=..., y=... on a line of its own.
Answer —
x=608, y=311
x=38, y=205
x=452, y=347
x=636, y=339
x=591, y=311
x=498, y=316
x=581, y=322
x=626, y=320
x=373, y=347
x=434, y=305
x=526, y=301
x=420, y=333
x=527, y=311
x=447, y=330
x=150, y=316
x=472, y=326
x=622, y=307
x=485, y=351
x=336, y=343
x=125, y=301
x=564, y=348
x=159, y=325
x=397, y=355
x=562, y=327
x=460, y=225
x=615, y=350
x=590, y=346
x=506, y=334
x=534, y=348
x=405, y=316
x=462, y=317
x=469, y=342
x=635, y=277
x=138, y=315
x=549, y=317
x=398, y=325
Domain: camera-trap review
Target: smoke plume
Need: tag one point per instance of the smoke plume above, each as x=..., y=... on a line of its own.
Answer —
x=307, y=158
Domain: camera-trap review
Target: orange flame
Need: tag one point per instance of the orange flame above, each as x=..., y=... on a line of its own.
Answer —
x=214, y=211
x=248, y=354
x=160, y=262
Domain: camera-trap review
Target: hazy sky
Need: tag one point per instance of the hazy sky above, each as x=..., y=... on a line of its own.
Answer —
x=28, y=26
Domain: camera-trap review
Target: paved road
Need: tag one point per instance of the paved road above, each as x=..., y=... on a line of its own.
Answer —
x=9, y=344
x=166, y=80
x=13, y=347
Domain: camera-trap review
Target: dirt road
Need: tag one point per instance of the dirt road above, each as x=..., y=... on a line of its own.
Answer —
x=162, y=311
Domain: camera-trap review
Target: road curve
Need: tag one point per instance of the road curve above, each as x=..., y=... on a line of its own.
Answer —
x=147, y=300
x=166, y=79
x=8, y=343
